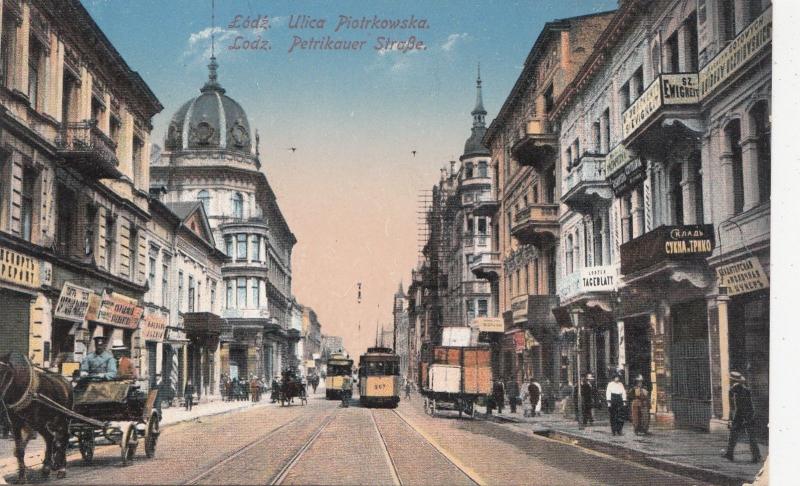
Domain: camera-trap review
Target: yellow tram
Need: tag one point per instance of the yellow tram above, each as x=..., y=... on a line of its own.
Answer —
x=339, y=366
x=379, y=378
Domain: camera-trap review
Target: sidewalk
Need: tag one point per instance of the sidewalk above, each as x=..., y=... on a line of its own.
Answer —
x=170, y=416
x=685, y=452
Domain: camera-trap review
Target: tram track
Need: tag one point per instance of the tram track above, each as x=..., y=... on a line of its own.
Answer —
x=286, y=469
x=466, y=471
x=392, y=464
x=246, y=448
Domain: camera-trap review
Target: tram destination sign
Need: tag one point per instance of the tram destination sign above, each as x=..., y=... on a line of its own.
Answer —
x=667, y=243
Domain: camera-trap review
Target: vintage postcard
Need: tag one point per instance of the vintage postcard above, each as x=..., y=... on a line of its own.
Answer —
x=383, y=243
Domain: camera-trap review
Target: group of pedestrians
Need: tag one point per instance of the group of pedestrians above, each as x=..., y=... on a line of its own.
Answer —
x=534, y=397
x=241, y=390
x=587, y=398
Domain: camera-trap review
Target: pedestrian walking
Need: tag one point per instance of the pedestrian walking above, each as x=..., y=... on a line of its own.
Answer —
x=584, y=401
x=535, y=396
x=527, y=410
x=548, y=397
x=499, y=392
x=188, y=396
x=640, y=407
x=616, y=398
x=742, y=415
x=408, y=389
x=254, y=389
x=513, y=395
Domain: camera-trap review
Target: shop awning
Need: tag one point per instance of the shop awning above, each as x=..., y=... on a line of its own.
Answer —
x=197, y=323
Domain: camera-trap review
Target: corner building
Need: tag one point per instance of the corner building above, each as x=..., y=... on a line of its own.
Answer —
x=211, y=156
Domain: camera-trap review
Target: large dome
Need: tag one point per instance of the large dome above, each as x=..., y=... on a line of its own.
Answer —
x=210, y=121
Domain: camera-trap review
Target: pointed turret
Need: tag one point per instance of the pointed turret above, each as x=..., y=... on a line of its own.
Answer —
x=474, y=146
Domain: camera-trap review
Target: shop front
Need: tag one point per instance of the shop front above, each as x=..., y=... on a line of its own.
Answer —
x=203, y=330
x=665, y=308
x=152, y=334
x=744, y=309
x=21, y=280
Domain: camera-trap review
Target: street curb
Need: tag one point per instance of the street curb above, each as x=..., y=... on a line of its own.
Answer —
x=9, y=466
x=628, y=454
x=645, y=459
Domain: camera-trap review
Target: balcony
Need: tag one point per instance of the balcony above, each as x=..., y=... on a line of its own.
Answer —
x=536, y=225
x=588, y=282
x=534, y=312
x=486, y=204
x=729, y=63
x=677, y=252
x=86, y=148
x=486, y=265
x=537, y=144
x=475, y=242
x=667, y=110
x=476, y=181
x=585, y=185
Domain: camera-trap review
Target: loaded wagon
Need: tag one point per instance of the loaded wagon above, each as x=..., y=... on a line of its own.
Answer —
x=455, y=377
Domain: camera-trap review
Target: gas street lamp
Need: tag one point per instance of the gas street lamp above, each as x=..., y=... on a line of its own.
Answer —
x=575, y=317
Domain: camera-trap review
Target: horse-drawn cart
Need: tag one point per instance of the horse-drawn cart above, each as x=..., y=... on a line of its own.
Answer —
x=118, y=412
x=291, y=387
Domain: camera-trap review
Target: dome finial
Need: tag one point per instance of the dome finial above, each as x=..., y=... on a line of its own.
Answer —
x=479, y=112
x=212, y=84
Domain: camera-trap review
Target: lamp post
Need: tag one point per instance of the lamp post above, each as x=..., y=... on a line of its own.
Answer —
x=575, y=317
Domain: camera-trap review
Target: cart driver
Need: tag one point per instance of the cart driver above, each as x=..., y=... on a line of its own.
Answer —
x=100, y=364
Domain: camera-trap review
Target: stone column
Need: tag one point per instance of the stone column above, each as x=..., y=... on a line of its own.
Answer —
x=726, y=162
x=689, y=193
x=666, y=54
x=604, y=148
x=605, y=235
x=685, y=62
x=626, y=217
x=637, y=212
x=750, y=172
x=724, y=356
x=634, y=88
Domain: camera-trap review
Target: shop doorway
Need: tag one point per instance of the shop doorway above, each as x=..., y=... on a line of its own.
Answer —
x=15, y=322
x=63, y=340
x=637, y=350
x=238, y=361
x=152, y=362
x=691, y=380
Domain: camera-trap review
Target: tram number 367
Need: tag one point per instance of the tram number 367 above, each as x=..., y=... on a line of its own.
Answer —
x=379, y=386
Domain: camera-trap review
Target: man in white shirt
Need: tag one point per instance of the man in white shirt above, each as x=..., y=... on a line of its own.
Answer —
x=616, y=396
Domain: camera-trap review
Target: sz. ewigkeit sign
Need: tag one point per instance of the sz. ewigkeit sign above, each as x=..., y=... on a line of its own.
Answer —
x=743, y=277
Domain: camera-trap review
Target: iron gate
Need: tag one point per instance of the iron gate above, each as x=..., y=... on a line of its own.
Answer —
x=691, y=384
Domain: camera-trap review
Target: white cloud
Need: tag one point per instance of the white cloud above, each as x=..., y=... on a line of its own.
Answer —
x=198, y=46
x=454, y=39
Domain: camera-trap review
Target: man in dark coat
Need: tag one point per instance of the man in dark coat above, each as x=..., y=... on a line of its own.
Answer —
x=513, y=394
x=188, y=395
x=534, y=395
x=742, y=414
x=498, y=392
x=583, y=404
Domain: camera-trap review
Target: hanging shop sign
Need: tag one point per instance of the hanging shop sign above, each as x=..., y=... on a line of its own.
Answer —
x=628, y=176
x=154, y=326
x=615, y=159
x=176, y=335
x=519, y=308
x=19, y=269
x=689, y=242
x=489, y=324
x=743, y=277
x=310, y=363
x=73, y=303
x=749, y=43
x=666, y=89
x=588, y=279
x=519, y=340
x=117, y=310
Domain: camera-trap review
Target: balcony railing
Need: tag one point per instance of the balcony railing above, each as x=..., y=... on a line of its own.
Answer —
x=590, y=168
x=486, y=265
x=88, y=149
x=536, y=144
x=537, y=224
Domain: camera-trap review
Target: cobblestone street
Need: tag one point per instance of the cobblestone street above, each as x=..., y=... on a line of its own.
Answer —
x=324, y=443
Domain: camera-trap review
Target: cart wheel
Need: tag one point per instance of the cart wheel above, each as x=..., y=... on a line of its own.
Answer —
x=128, y=444
x=151, y=436
x=86, y=446
x=433, y=407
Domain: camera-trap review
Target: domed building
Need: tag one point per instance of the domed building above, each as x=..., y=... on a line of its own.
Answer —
x=211, y=155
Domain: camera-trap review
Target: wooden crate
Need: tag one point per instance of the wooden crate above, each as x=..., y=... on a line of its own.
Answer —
x=478, y=379
x=454, y=356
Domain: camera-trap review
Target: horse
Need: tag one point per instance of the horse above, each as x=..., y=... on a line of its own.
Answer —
x=20, y=386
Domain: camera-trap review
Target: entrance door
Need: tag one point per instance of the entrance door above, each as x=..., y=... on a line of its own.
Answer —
x=152, y=361
x=15, y=322
x=691, y=381
x=637, y=350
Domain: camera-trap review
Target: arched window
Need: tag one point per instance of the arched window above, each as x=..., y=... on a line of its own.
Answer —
x=733, y=147
x=205, y=198
x=761, y=130
x=238, y=205
x=483, y=170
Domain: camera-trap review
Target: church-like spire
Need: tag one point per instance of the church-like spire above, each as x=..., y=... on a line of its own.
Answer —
x=479, y=112
x=212, y=84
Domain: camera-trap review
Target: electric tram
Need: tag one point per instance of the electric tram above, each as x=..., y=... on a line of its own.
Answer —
x=339, y=366
x=379, y=378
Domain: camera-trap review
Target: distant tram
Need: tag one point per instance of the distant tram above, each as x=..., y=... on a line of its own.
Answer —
x=339, y=366
x=379, y=378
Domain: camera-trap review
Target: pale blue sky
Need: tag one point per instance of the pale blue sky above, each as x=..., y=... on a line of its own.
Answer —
x=350, y=190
